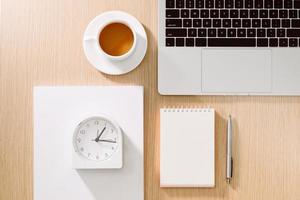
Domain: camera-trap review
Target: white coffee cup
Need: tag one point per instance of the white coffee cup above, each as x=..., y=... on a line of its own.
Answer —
x=95, y=38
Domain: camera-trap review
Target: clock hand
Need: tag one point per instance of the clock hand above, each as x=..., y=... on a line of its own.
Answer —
x=110, y=141
x=97, y=138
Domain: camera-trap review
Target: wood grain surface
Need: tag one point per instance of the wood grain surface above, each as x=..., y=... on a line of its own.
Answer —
x=41, y=44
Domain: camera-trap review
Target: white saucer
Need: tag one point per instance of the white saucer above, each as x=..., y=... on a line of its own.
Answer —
x=103, y=63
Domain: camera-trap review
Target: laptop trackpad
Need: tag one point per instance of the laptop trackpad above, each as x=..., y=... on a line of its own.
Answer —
x=236, y=71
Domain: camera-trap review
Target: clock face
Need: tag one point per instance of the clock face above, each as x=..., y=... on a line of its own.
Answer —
x=96, y=138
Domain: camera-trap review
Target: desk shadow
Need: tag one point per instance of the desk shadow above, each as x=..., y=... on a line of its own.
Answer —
x=221, y=187
x=118, y=184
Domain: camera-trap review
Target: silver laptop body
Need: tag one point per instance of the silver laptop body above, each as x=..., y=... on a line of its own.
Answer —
x=225, y=70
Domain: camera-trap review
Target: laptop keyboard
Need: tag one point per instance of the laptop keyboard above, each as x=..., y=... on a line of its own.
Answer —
x=232, y=23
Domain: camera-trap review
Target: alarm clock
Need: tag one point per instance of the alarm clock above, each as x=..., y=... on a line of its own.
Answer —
x=97, y=144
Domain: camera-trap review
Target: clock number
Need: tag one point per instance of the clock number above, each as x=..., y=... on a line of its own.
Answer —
x=78, y=140
x=97, y=122
x=82, y=132
x=81, y=149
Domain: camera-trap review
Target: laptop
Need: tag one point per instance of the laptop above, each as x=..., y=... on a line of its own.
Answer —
x=229, y=47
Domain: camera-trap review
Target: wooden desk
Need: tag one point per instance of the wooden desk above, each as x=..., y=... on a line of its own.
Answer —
x=41, y=44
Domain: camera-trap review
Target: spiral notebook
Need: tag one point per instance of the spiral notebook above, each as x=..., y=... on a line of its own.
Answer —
x=187, y=155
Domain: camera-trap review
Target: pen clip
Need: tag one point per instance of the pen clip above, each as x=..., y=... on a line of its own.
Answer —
x=231, y=171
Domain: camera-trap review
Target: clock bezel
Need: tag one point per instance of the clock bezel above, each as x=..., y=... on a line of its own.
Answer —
x=119, y=139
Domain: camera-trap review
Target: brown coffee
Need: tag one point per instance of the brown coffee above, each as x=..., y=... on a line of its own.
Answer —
x=116, y=39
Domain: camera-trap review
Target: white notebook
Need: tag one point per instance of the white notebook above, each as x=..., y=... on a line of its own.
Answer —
x=187, y=155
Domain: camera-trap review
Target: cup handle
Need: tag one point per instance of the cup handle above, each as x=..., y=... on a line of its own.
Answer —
x=89, y=38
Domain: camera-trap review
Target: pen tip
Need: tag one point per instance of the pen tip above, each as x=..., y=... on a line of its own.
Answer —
x=228, y=181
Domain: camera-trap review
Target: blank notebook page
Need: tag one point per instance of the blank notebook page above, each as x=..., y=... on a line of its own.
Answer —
x=187, y=147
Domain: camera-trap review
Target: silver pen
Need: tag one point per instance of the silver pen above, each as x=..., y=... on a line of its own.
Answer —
x=229, y=163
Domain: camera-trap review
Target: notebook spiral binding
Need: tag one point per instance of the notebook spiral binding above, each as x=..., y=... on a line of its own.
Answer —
x=186, y=109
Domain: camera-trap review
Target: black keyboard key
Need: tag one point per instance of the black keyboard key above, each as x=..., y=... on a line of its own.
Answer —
x=192, y=32
x=189, y=42
x=189, y=4
x=170, y=42
x=206, y=22
x=231, y=42
x=256, y=23
x=227, y=23
x=293, y=14
x=201, y=42
x=251, y=33
x=172, y=13
x=179, y=3
x=219, y=4
x=212, y=32
x=195, y=13
x=173, y=22
x=217, y=23
x=246, y=23
x=229, y=4
x=199, y=4
x=261, y=32
x=234, y=13
x=253, y=13
x=262, y=42
x=176, y=32
x=278, y=3
x=187, y=23
x=236, y=23
x=179, y=42
x=170, y=3
x=283, y=14
x=285, y=23
x=185, y=13
x=244, y=14
x=249, y=3
x=258, y=4
x=293, y=42
x=197, y=23
x=204, y=13
x=231, y=32
x=214, y=13
x=293, y=33
x=221, y=32
x=202, y=32
x=209, y=4
x=268, y=3
x=270, y=32
x=224, y=13
x=288, y=3
x=263, y=14
x=239, y=3
x=273, y=42
x=266, y=23
x=280, y=32
x=296, y=23
x=283, y=42
x=297, y=4
x=275, y=23
x=241, y=32
x=273, y=13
